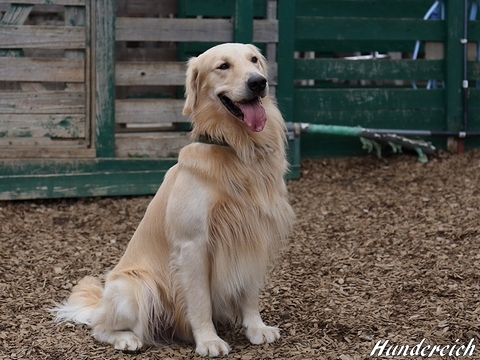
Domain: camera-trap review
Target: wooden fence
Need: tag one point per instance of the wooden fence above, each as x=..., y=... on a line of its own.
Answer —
x=90, y=102
x=374, y=93
x=91, y=91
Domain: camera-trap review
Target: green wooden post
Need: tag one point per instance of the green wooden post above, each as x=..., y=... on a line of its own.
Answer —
x=243, y=21
x=453, y=64
x=286, y=48
x=104, y=109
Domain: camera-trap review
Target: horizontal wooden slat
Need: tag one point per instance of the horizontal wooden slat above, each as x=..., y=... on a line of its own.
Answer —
x=368, y=99
x=49, y=102
x=323, y=28
x=432, y=119
x=150, y=73
x=96, y=183
x=46, y=2
x=368, y=69
x=41, y=126
x=364, y=8
x=151, y=145
x=166, y=29
x=166, y=73
x=348, y=46
x=149, y=111
x=42, y=69
x=51, y=37
x=22, y=147
x=220, y=8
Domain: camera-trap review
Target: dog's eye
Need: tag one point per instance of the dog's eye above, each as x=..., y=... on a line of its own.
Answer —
x=224, y=66
x=254, y=59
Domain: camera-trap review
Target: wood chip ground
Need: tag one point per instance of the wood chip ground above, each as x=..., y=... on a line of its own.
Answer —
x=381, y=250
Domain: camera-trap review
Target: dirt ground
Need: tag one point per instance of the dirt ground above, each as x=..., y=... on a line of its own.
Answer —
x=381, y=250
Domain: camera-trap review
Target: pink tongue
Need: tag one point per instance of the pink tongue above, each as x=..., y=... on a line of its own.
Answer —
x=254, y=115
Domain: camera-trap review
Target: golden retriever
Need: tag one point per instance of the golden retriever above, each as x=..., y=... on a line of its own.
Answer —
x=200, y=254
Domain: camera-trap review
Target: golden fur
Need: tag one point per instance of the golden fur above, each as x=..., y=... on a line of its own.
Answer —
x=201, y=251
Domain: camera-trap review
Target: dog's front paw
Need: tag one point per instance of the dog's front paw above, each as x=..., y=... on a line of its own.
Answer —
x=212, y=348
x=263, y=334
x=127, y=341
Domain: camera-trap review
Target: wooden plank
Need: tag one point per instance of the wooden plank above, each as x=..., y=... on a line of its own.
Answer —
x=149, y=111
x=150, y=73
x=104, y=77
x=151, y=145
x=165, y=29
x=53, y=126
x=50, y=102
x=165, y=73
x=201, y=30
x=364, y=8
x=421, y=119
x=324, y=28
x=243, y=21
x=368, y=69
x=453, y=65
x=347, y=45
x=46, y=2
x=52, y=37
x=286, y=48
x=217, y=8
x=32, y=150
x=42, y=69
x=368, y=99
x=32, y=179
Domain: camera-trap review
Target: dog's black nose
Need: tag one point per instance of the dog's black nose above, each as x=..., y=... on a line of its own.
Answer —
x=257, y=84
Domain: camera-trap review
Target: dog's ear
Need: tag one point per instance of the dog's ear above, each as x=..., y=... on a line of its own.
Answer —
x=191, y=86
x=262, y=61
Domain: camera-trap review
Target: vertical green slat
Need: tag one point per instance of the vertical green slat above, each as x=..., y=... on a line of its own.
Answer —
x=105, y=77
x=286, y=48
x=453, y=64
x=243, y=21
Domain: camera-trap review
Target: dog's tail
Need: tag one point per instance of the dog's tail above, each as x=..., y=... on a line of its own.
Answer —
x=86, y=296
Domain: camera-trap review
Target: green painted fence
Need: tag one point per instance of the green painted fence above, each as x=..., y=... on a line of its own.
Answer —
x=313, y=79
x=373, y=93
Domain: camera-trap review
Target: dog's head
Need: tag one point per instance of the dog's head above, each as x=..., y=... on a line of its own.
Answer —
x=233, y=79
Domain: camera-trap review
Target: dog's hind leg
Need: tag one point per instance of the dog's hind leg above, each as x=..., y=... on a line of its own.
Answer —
x=116, y=320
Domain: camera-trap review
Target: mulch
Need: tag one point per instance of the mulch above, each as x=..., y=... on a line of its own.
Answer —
x=382, y=249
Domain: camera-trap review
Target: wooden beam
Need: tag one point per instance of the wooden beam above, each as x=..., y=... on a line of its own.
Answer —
x=149, y=111
x=196, y=30
x=453, y=64
x=42, y=69
x=50, y=102
x=53, y=37
x=104, y=74
x=44, y=178
x=243, y=21
x=150, y=73
x=42, y=126
x=46, y=2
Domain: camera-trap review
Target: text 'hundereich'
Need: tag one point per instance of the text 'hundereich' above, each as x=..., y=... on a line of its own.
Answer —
x=384, y=348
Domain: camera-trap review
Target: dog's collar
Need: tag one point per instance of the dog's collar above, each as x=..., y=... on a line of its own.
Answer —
x=207, y=139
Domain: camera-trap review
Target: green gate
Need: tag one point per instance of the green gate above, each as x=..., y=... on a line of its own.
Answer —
x=349, y=62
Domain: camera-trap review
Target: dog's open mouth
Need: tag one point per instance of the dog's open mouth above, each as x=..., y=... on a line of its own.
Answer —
x=251, y=112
